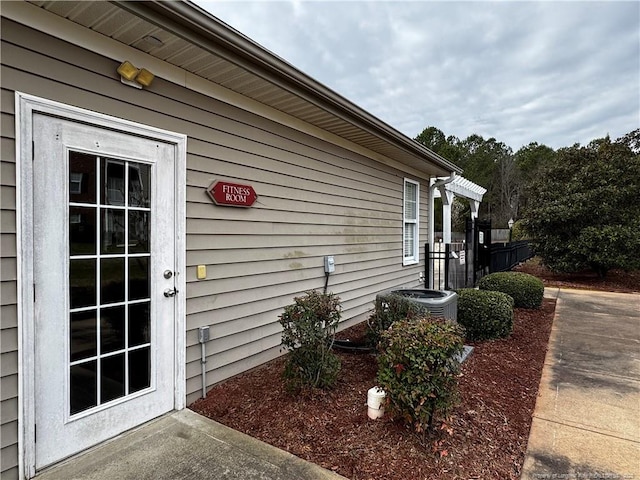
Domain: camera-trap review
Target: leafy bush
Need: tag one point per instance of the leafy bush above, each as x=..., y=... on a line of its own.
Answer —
x=608, y=247
x=526, y=290
x=518, y=232
x=583, y=209
x=391, y=308
x=309, y=327
x=485, y=314
x=418, y=369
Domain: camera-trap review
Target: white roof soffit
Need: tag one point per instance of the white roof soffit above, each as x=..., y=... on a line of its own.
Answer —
x=462, y=187
x=203, y=45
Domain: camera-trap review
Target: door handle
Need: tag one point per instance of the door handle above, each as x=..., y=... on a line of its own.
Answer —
x=170, y=292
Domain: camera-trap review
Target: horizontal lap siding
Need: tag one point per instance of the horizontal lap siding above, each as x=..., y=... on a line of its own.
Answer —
x=8, y=293
x=315, y=199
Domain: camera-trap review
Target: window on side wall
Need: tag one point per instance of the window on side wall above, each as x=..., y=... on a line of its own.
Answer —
x=410, y=222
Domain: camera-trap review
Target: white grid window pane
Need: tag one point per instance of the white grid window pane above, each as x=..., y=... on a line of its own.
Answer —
x=410, y=214
x=410, y=206
x=409, y=240
x=109, y=281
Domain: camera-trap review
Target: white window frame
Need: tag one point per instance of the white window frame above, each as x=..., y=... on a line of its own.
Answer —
x=411, y=223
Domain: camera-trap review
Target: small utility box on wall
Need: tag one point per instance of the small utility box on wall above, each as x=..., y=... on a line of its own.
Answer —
x=203, y=334
x=329, y=264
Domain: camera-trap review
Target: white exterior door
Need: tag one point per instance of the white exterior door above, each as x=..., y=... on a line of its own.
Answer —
x=104, y=262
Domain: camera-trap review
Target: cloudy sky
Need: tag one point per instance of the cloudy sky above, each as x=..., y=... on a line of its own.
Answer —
x=556, y=73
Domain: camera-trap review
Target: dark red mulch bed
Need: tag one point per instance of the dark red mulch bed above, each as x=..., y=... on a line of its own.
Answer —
x=614, y=281
x=484, y=438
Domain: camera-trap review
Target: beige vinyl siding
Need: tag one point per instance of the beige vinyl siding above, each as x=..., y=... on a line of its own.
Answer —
x=315, y=199
x=8, y=294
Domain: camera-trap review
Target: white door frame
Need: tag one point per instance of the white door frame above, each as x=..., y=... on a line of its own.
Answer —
x=25, y=107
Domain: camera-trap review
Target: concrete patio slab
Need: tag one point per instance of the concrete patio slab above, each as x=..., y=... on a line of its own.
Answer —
x=185, y=445
x=586, y=422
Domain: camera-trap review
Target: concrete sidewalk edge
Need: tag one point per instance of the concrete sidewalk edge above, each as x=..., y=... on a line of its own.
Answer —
x=586, y=422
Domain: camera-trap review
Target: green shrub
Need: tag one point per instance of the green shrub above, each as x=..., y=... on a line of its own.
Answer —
x=418, y=370
x=526, y=290
x=518, y=232
x=309, y=327
x=392, y=308
x=485, y=314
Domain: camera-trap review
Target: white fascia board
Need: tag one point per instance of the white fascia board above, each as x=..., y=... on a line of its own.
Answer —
x=59, y=27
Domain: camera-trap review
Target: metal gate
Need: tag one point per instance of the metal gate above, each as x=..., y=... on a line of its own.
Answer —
x=449, y=266
x=446, y=266
x=481, y=231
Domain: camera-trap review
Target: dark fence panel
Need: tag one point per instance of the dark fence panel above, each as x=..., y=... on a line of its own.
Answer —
x=480, y=232
x=448, y=266
x=452, y=266
x=505, y=256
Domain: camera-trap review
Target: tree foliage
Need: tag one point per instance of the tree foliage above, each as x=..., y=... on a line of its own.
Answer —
x=530, y=161
x=486, y=162
x=631, y=140
x=583, y=208
x=579, y=204
x=436, y=141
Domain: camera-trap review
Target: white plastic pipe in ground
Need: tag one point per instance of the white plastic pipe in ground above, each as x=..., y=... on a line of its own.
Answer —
x=375, y=402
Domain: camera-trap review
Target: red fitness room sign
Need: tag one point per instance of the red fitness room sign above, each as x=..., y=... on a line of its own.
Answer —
x=232, y=194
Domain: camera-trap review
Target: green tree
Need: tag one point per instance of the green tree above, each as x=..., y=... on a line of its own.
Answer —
x=584, y=210
x=436, y=141
x=486, y=162
x=532, y=158
x=631, y=140
x=450, y=148
x=489, y=163
x=530, y=161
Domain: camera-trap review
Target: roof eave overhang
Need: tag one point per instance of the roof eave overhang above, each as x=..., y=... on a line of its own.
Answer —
x=194, y=24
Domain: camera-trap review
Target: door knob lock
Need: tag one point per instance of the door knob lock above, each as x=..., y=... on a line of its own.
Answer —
x=170, y=292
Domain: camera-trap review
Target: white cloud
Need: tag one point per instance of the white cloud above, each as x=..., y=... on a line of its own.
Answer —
x=552, y=72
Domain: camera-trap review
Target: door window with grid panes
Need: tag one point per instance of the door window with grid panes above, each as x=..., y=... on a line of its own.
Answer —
x=109, y=253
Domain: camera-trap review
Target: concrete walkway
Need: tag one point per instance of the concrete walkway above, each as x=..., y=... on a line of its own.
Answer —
x=586, y=422
x=185, y=445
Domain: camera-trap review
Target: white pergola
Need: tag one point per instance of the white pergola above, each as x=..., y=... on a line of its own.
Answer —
x=447, y=189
